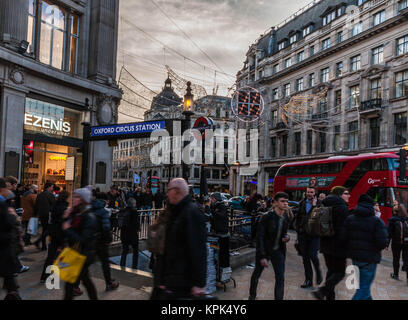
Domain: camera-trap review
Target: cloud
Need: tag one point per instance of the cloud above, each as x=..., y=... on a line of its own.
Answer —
x=223, y=29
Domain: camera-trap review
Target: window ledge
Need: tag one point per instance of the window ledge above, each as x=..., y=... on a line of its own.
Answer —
x=351, y=109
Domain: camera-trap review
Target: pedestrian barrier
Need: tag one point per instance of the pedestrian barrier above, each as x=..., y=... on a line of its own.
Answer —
x=240, y=226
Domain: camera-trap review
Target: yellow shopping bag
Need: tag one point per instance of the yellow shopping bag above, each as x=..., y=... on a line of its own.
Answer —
x=70, y=263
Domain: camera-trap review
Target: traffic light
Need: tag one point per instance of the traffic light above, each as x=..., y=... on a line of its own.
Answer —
x=403, y=159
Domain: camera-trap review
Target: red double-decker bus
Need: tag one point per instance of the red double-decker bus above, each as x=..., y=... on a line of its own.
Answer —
x=374, y=174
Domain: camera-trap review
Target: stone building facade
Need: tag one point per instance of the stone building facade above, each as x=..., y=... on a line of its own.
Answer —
x=57, y=59
x=334, y=78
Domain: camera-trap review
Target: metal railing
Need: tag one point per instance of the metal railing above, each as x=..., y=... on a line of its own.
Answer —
x=371, y=104
x=239, y=226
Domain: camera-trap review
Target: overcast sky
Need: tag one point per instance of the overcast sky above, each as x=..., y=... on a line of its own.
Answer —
x=223, y=29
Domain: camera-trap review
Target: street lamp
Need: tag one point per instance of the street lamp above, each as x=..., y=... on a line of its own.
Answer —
x=188, y=107
x=86, y=132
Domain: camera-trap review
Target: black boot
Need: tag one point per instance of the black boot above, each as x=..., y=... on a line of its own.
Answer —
x=307, y=284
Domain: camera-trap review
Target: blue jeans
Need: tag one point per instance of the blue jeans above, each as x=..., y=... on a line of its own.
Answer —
x=367, y=275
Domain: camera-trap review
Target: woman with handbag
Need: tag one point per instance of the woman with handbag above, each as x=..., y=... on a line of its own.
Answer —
x=79, y=228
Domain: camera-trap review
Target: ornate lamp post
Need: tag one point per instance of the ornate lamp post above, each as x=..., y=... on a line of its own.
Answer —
x=188, y=111
x=86, y=123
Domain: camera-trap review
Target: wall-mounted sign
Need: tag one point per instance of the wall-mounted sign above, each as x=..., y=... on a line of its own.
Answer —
x=50, y=119
x=70, y=169
x=58, y=158
x=127, y=128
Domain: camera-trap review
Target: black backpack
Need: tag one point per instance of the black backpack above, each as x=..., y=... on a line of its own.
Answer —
x=320, y=222
x=401, y=228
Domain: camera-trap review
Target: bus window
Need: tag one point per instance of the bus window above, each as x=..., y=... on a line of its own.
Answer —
x=401, y=195
x=295, y=195
x=381, y=195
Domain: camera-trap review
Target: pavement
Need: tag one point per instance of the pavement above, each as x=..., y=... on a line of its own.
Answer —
x=137, y=284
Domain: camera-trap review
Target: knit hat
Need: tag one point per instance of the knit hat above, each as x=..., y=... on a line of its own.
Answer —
x=338, y=191
x=85, y=194
x=366, y=198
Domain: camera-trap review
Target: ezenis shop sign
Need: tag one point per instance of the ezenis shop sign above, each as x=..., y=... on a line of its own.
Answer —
x=48, y=125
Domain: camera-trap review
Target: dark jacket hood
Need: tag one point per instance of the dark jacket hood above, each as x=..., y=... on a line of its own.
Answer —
x=364, y=209
x=98, y=204
x=334, y=201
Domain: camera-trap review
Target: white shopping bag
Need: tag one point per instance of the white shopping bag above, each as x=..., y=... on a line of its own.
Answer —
x=32, y=227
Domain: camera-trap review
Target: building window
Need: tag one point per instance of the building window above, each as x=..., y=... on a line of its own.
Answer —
x=402, y=5
x=329, y=18
x=281, y=45
x=307, y=30
x=275, y=94
x=286, y=90
x=324, y=75
x=400, y=128
x=293, y=39
x=288, y=63
x=301, y=56
x=379, y=17
x=326, y=44
x=339, y=69
x=357, y=28
x=274, y=118
x=273, y=147
x=321, y=143
x=353, y=135
x=312, y=50
x=284, y=146
x=275, y=68
x=378, y=55
x=374, y=132
x=55, y=26
x=355, y=63
x=299, y=84
x=354, y=96
x=401, y=84
x=375, y=89
x=31, y=25
x=311, y=80
x=216, y=174
x=298, y=141
x=402, y=45
x=309, y=141
x=340, y=37
x=337, y=101
x=336, y=140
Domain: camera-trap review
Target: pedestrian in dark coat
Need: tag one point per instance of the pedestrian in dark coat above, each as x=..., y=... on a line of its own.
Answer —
x=56, y=233
x=333, y=249
x=43, y=205
x=185, y=254
x=9, y=265
x=398, y=244
x=80, y=228
x=271, y=245
x=365, y=236
x=158, y=200
x=129, y=234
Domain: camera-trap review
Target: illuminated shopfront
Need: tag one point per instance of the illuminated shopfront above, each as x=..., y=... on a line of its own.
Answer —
x=52, y=145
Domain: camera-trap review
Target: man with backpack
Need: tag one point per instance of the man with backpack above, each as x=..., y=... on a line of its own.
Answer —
x=331, y=246
x=308, y=244
x=104, y=238
x=129, y=224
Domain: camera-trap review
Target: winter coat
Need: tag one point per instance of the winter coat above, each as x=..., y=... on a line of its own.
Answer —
x=333, y=245
x=129, y=233
x=395, y=236
x=104, y=232
x=55, y=227
x=302, y=216
x=8, y=257
x=83, y=231
x=267, y=233
x=220, y=217
x=185, y=253
x=43, y=205
x=139, y=199
x=28, y=204
x=158, y=200
x=148, y=199
x=364, y=235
